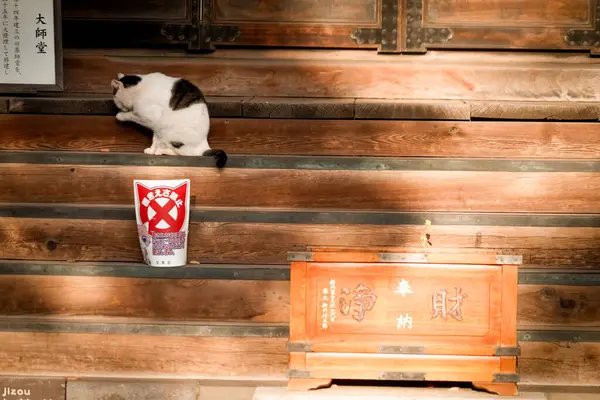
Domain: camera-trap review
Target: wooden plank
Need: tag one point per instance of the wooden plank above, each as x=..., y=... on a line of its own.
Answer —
x=558, y=306
x=352, y=74
x=318, y=137
x=76, y=133
x=164, y=299
x=563, y=363
x=140, y=326
x=564, y=111
x=141, y=356
x=416, y=191
x=413, y=109
x=122, y=213
x=301, y=108
x=539, y=307
x=103, y=105
x=303, y=163
x=254, y=243
x=236, y=272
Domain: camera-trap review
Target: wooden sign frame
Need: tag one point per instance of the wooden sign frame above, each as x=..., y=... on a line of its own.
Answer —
x=58, y=86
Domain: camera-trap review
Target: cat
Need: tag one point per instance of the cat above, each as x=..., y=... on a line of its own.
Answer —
x=173, y=108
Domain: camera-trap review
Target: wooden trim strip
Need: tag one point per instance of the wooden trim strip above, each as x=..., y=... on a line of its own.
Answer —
x=83, y=326
x=558, y=336
x=8, y=324
x=329, y=108
x=303, y=162
x=310, y=217
x=545, y=277
x=138, y=270
x=104, y=105
x=238, y=272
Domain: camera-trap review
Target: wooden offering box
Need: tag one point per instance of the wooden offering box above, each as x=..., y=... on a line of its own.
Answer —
x=403, y=314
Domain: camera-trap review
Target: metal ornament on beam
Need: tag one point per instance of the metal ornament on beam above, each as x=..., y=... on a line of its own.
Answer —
x=418, y=36
x=586, y=37
x=387, y=35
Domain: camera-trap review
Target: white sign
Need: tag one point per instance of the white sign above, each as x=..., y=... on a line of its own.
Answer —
x=28, y=48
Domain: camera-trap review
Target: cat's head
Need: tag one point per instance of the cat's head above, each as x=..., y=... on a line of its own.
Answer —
x=124, y=90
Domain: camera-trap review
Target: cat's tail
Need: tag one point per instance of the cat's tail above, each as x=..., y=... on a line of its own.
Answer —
x=219, y=155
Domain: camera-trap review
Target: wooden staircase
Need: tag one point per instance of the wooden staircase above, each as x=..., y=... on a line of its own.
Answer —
x=317, y=157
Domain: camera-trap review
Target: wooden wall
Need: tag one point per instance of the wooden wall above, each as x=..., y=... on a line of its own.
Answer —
x=327, y=147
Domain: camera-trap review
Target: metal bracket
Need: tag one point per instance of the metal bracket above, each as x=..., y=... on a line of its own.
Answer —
x=387, y=35
x=219, y=33
x=300, y=256
x=402, y=376
x=417, y=36
x=506, y=378
x=403, y=257
x=179, y=33
x=509, y=260
x=297, y=373
x=209, y=33
x=401, y=349
x=585, y=37
x=299, y=347
x=507, y=351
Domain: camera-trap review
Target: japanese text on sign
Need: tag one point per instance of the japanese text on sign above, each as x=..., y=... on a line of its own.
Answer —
x=439, y=304
x=28, y=42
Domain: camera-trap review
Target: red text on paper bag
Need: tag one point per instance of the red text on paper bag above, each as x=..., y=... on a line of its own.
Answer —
x=163, y=210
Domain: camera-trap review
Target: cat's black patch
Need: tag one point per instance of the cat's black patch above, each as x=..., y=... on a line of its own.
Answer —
x=184, y=94
x=130, y=80
x=177, y=145
x=219, y=155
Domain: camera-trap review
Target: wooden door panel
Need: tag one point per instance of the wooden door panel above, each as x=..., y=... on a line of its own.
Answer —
x=159, y=10
x=516, y=12
x=298, y=11
x=498, y=24
x=305, y=23
x=132, y=23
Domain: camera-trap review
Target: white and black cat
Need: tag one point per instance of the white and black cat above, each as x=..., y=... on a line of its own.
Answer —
x=173, y=108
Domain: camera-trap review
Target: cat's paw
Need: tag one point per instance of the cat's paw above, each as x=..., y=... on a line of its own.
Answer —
x=122, y=116
x=149, y=151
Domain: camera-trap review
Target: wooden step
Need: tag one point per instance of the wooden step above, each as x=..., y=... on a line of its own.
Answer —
x=97, y=233
x=494, y=76
x=328, y=183
x=558, y=299
x=347, y=392
x=128, y=350
x=530, y=140
x=326, y=108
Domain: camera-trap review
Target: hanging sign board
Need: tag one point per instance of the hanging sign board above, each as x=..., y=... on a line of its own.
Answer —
x=30, y=46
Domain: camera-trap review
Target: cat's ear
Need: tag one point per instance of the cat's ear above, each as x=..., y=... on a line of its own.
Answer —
x=120, y=75
x=116, y=85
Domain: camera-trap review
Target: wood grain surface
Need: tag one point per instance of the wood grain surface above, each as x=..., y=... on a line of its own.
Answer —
x=319, y=137
x=462, y=191
x=163, y=299
x=254, y=243
x=354, y=74
x=142, y=356
x=539, y=306
x=136, y=356
x=562, y=363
